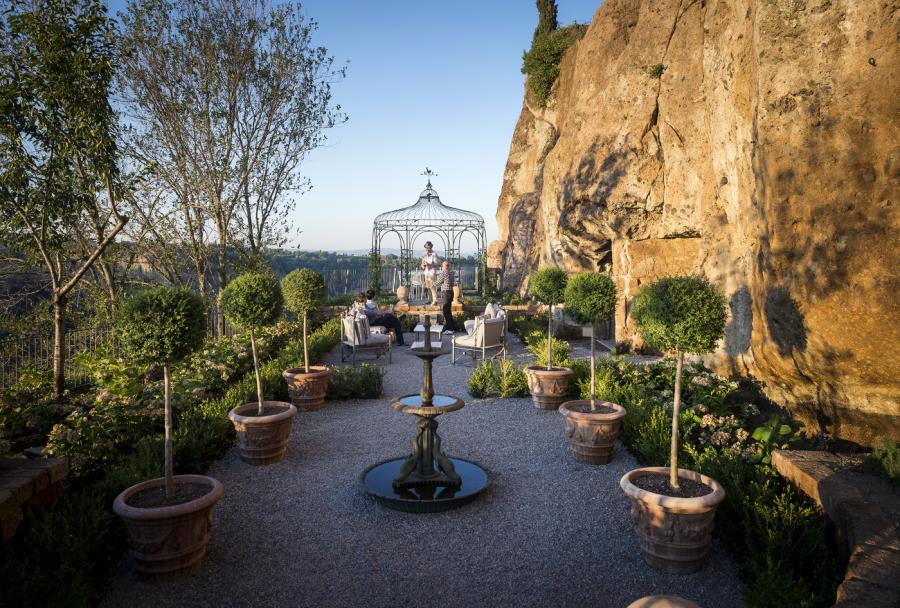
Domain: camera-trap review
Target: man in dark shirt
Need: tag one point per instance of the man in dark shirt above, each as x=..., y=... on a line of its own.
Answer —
x=444, y=282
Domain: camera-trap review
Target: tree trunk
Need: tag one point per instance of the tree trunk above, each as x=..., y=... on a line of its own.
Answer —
x=550, y=338
x=305, y=347
x=259, y=388
x=593, y=365
x=169, y=471
x=223, y=281
x=59, y=346
x=673, y=455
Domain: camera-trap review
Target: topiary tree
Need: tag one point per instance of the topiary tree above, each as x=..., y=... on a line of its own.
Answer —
x=162, y=326
x=591, y=297
x=680, y=315
x=548, y=285
x=249, y=302
x=304, y=292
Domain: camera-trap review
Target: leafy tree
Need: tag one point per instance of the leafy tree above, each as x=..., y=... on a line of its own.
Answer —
x=227, y=98
x=541, y=62
x=252, y=301
x=304, y=292
x=163, y=325
x=548, y=285
x=546, y=18
x=58, y=152
x=680, y=315
x=591, y=297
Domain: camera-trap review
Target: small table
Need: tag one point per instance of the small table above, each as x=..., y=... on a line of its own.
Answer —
x=435, y=329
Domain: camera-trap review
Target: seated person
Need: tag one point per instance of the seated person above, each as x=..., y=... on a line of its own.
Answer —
x=375, y=317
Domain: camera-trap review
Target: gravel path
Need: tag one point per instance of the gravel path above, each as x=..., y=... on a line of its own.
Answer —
x=549, y=531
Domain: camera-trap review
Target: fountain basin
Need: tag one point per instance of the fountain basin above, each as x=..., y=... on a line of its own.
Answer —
x=377, y=482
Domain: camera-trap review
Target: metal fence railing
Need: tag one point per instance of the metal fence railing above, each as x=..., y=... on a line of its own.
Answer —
x=36, y=351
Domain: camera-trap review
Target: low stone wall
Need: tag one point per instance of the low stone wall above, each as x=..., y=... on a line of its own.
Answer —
x=28, y=484
x=865, y=514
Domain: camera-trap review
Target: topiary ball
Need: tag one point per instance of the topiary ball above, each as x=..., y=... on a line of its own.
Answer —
x=304, y=290
x=161, y=325
x=590, y=297
x=548, y=285
x=252, y=300
x=681, y=313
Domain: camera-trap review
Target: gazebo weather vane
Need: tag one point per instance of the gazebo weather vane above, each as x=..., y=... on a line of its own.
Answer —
x=428, y=173
x=428, y=216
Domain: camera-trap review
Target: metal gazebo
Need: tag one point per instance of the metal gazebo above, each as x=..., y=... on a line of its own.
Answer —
x=428, y=216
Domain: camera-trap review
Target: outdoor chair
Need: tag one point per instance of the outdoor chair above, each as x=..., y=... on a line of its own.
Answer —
x=358, y=337
x=488, y=337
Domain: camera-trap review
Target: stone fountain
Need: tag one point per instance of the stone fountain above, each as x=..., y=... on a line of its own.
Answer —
x=427, y=480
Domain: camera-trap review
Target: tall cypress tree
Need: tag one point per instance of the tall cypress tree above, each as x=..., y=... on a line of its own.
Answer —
x=546, y=17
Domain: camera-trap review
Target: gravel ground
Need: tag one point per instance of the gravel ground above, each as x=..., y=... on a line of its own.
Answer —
x=548, y=532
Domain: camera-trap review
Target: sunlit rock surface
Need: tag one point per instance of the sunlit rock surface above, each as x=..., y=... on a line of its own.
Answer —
x=765, y=157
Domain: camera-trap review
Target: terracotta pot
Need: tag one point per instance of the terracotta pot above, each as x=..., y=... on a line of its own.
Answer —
x=166, y=542
x=457, y=294
x=549, y=387
x=674, y=533
x=307, y=391
x=592, y=434
x=402, y=294
x=263, y=439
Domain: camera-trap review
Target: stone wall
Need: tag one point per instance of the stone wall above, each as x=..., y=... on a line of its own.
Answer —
x=765, y=157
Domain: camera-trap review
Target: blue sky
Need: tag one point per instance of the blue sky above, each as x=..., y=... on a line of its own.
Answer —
x=428, y=83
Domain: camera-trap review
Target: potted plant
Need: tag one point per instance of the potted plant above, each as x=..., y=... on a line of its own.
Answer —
x=167, y=519
x=304, y=292
x=548, y=385
x=592, y=426
x=249, y=302
x=673, y=510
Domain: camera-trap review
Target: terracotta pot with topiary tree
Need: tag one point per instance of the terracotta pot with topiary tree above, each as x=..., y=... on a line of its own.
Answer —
x=592, y=426
x=673, y=510
x=167, y=519
x=249, y=302
x=549, y=385
x=304, y=293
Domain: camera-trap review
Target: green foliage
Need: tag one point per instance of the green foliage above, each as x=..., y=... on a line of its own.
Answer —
x=62, y=554
x=481, y=381
x=541, y=62
x=503, y=378
x=772, y=435
x=304, y=291
x=779, y=539
x=525, y=325
x=684, y=314
x=548, y=285
x=656, y=71
x=161, y=325
x=537, y=346
x=252, y=300
x=885, y=460
x=546, y=17
x=364, y=382
x=590, y=297
x=374, y=272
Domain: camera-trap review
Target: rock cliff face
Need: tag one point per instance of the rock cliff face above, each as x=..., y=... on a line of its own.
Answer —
x=766, y=157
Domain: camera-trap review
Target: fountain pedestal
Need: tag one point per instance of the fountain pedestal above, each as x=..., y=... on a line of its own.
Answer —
x=426, y=480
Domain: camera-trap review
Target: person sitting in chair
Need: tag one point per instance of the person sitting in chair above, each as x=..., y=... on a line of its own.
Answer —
x=444, y=282
x=376, y=317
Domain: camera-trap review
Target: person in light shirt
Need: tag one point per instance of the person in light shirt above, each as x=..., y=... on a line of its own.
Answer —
x=430, y=263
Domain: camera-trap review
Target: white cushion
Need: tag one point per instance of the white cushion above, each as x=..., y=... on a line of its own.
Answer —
x=378, y=339
x=490, y=311
x=467, y=341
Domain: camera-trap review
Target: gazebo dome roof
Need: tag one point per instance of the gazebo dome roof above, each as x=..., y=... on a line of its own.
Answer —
x=427, y=210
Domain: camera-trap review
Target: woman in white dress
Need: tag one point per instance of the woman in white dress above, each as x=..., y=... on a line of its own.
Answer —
x=430, y=263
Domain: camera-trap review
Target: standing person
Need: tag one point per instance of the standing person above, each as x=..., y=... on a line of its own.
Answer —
x=429, y=263
x=444, y=280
